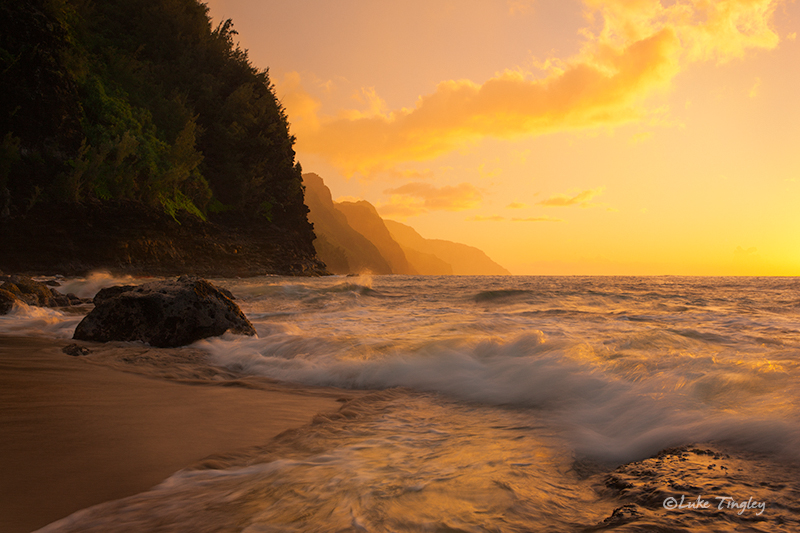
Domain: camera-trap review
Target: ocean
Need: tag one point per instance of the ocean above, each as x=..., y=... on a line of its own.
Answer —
x=492, y=404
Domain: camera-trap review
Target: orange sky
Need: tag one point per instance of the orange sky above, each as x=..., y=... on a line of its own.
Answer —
x=561, y=137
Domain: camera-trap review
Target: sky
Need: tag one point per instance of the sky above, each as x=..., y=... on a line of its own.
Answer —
x=562, y=137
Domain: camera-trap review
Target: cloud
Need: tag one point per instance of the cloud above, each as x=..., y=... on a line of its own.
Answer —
x=747, y=258
x=519, y=7
x=399, y=174
x=755, y=89
x=417, y=198
x=493, y=218
x=537, y=219
x=353, y=199
x=637, y=47
x=516, y=205
x=750, y=253
x=580, y=199
x=641, y=137
x=498, y=218
x=302, y=106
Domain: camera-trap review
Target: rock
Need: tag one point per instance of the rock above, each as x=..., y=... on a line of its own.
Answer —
x=29, y=291
x=76, y=300
x=34, y=293
x=130, y=237
x=7, y=300
x=65, y=300
x=76, y=350
x=163, y=313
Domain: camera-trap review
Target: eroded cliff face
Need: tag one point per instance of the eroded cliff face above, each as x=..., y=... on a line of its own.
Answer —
x=465, y=260
x=352, y=237
x=343, y=249
x=128, y=237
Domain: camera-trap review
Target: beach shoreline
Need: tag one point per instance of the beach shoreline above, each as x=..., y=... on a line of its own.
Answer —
x=76, y=434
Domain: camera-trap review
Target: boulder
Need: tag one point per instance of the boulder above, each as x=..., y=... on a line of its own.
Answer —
x=163, y=313
x=31, y=292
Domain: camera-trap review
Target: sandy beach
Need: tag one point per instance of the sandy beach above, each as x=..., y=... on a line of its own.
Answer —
x=75, y=433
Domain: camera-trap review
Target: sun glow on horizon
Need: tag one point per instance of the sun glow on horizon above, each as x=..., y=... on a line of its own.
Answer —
x=630, y=136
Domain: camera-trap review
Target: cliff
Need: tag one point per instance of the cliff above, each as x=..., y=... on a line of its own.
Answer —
x=129, y=237
x=343, y=249
x=364, y=218
x=353, y=238
x=465, y=260
x=142, y=104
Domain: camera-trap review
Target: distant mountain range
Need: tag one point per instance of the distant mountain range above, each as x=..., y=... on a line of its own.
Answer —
x=352, y=238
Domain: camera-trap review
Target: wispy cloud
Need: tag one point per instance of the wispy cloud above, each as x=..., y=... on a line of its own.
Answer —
x=537, y=219
x=641, y=137
x=580, y=199
x=417, y=198
x=755, y=89
x=750, y=253
x=633, y=49
x=519, y=7
x=516, y=205
x=491, y=218
x=498, y=218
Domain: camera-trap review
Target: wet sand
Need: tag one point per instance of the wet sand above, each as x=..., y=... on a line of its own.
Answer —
x=74, y=434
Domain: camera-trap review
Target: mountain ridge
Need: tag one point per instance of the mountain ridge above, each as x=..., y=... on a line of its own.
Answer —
x=466, y=260
x=391, y=247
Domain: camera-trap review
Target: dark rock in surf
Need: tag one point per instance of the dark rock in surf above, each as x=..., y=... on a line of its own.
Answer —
x=7, y=300
x=31, y=292
x=163, y=313
x=76, y=350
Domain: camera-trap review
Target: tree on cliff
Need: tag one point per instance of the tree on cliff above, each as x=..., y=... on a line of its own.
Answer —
x=142, y=100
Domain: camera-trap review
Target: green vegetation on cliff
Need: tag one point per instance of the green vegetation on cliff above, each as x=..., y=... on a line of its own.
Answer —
x=140, y=100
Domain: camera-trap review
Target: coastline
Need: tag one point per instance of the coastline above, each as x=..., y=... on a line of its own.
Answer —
x=129, y=237
x=76, y=434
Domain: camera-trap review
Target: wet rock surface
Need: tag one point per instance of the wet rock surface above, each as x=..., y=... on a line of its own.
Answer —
x=698, y=488
x=163, y=313
x=127, y=237
x=31, y=292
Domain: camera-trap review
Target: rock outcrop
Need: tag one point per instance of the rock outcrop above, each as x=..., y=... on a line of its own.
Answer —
x=343, y=249
x=133, y=238
x=31, y=292
x=163, y=313
x=7, y=300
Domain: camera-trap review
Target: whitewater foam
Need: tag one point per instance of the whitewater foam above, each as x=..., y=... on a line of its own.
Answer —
x=497, y=400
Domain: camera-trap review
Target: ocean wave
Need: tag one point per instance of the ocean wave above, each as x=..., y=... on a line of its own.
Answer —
x=92, y=284
x=36, y=321
x=616, y=406
x=500, y=295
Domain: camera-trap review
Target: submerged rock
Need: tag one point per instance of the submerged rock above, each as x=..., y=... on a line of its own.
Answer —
x=76, y=350
x=163, y=313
